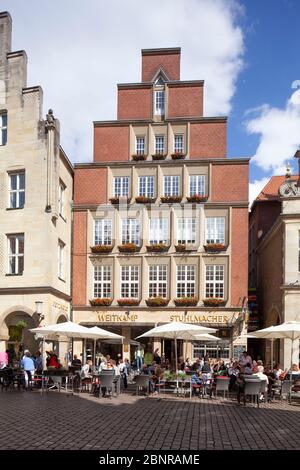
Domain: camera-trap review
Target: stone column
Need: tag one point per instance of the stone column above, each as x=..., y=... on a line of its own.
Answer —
x=126, y=331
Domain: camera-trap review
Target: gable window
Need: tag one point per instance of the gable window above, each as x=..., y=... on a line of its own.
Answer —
x=186, y=230
x=17, y=190
x=158, y=231
x=178, y=143
x=214, y=281
x=16, y=253
x=158, y=281
x=61, y=198
x=197, y=185
x=159, y=102
x=131, y=231
x=3, y=128
x=102, y=282
x=146, y=186
x=130, y=282
x=140, y=145
x=171, y=185
x=61, y=259
x=215, y=230
x=159, y=144
x=186, y=277
x=121, y=186
x=103, y=232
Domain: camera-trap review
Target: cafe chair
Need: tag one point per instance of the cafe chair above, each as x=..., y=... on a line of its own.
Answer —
x=142, y=382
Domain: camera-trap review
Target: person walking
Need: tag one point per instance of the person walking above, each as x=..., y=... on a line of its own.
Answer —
x=27, y=365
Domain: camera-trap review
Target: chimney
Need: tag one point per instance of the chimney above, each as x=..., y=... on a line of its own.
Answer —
x=167, y=59
x=5, y=35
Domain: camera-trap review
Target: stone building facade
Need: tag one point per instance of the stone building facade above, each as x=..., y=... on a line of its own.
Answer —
x=161, y=215
x=274, y=263
x=36, y=190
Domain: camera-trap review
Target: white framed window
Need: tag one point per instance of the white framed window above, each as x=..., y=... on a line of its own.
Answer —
x=159, y=144
x=61, y=259
x=3, y=128
x=61, y=198
x=215, y=230
x=130, y=282
x=17, y=190
x=178, y=143
x=146, y=186
x=102, y=282
x=214, y=281
x=186, y=230
x=131, y=231
x=186, y=279
x=140, y=145
x=159, y=102
x=158, y=232
x=215, y=349
x=158, y=281
x=121, y=186
x=15, y=253
x=197, y=185
x=103, y=232
x=171, y=185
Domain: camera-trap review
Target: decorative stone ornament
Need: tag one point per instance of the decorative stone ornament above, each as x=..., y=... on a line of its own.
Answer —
x=290, y=189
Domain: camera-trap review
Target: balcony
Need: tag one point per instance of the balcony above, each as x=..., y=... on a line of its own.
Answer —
x=101, y=249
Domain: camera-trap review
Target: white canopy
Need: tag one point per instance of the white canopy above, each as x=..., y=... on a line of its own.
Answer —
x=206, y=337
x=68, y=329
x=105, y=335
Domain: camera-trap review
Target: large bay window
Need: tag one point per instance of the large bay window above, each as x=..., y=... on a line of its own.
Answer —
x=158, y=231
x=131, y=231
x=146, y=186
x=102, y=281
x=214, y=281
x=121, y=186
x=186, y=280
x=171, y=185
x=197, y=185
x=130, y=282
x=186, y=230
x=103, y=232
x=158, y=281
x=215, y=230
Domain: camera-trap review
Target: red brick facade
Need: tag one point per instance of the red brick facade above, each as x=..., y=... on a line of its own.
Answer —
x=168, y=61
x=135, y=103
x=239, y=255
x=208, y=139
x=111, y=143
x=230, y=183
x=79, y=258
x=90, y=186
x=185, y=101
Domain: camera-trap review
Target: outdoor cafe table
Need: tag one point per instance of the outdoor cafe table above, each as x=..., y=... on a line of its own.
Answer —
x=180, y=386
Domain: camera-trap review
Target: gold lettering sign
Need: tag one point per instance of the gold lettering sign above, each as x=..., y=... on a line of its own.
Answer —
x=118, y=318
x=190, y=318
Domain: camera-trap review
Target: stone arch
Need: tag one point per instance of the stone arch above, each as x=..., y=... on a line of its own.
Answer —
x=61, y=318
x=273, y=317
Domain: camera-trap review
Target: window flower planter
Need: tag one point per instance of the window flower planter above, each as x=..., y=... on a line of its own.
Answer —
x=196, y=198
x=101, y=249
x=170, y=199
x=157, y=248
x=139, y=157
x=180, y=248
x=128, y=302
x=214, y=302
x=214, y=247
x=101, y=302
x=178, y=156
x=128, y=248
x=159, y=156
x=144, y=200
x=117, y=200
x=186, y=301
x=157, y=302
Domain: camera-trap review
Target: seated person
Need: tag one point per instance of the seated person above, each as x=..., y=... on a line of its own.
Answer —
x=52, y=360
x=206, y=368
x=277, y=371
x=248, y=369
x=86, y=370
x=293, y=373
x=197, y=365
x=76, y=362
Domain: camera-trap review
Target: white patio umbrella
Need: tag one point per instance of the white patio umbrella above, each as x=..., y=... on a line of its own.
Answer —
x=108, y=336
x=289, y=329
x=206, y=337
x=177, y=330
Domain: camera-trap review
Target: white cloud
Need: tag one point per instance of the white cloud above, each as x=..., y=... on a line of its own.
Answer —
x=78, y=51
x=279, y=133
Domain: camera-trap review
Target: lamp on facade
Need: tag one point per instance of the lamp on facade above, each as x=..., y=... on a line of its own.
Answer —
x=39, y=309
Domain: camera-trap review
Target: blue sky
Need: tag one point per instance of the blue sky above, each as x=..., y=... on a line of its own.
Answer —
x=246, y=50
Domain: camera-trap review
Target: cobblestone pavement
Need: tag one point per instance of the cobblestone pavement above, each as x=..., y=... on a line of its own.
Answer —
x=55, y=420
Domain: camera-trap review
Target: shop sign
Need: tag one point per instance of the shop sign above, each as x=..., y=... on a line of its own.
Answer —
x=190, y=318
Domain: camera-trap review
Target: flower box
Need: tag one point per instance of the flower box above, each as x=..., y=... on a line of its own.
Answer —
x=181, y=247
x=186, y=301
x=101, y=249
x=159, y=156
x=128, y=302
x=215, y=247
x=196, y=198
x=178, y=156
x=118, y=200
x=157, y=302
x=128, y=248
x=139, y=157
x=101, y=302
x=144, y=200
x=170, y=199
x=214, y=302
x=157, y=248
